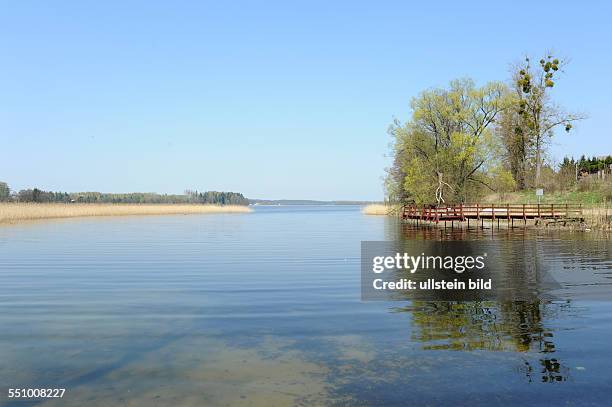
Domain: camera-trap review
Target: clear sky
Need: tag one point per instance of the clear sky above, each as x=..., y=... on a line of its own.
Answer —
x=273, y=99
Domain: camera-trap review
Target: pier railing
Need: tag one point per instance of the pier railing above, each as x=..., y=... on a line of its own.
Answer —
x=461, y=212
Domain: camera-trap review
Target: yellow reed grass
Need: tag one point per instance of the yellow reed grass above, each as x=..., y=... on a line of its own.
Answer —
x=377, y=209
x=17, y=212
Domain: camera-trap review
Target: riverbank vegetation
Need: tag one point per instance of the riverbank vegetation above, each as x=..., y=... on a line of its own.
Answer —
x=189, y=197
x=11, y=212
x=378, y=209
x=466, y=143
x=33, y=204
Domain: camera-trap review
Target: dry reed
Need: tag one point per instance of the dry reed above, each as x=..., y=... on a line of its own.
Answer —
x=377, y=209
x=598, y=217
x=17, y=212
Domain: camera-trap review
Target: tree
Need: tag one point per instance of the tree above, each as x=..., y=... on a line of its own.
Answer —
x=394, y=190
x=502, y=181
x=566, y=176
x=539, y=116
x=518, y=149
x=5, y=191
x=443, y=152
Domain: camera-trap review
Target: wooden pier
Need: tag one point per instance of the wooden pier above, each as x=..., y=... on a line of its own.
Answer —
x=493, y=212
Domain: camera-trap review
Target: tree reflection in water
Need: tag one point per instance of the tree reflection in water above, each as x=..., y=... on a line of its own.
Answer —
x=496, y=325
x=517, y=326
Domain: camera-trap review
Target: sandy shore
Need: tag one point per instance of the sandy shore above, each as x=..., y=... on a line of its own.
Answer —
x=16, y=212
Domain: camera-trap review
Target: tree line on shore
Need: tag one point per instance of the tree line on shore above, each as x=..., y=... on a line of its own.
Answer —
x=589, y=165
x=464, y=141
x=190, y=197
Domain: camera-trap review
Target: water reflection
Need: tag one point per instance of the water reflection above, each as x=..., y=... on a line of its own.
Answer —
x=515, y=326
x=500, y=325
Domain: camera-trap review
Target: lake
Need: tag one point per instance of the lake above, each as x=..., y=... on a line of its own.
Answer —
x=264, y=309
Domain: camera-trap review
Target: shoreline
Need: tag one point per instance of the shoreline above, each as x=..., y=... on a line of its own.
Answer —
x=13, y=213
x=596, y=217
x=380, y=209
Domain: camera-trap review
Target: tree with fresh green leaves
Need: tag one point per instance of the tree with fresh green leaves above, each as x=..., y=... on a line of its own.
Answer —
x=443, y=152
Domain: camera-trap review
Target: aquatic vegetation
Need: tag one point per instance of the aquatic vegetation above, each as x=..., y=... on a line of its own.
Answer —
x=377, y=209
x=17, y=212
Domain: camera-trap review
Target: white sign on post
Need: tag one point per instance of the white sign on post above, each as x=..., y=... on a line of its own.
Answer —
x=539, y=194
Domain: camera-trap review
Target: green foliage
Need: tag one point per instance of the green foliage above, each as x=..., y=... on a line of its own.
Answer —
x=132, y=197
x=594, y=164
x=502, y=179
x=462, y=140
x=444, y=151
x=209, y=197
x=414, y=186
x=37, y=195
x=214, y=197
x=593, y=193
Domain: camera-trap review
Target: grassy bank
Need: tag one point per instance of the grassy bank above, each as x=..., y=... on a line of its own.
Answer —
x=596, y=198
x=17, y=212
x=597, y=208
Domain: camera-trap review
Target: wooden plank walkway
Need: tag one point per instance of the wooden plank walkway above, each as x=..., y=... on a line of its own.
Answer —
x=480, y=212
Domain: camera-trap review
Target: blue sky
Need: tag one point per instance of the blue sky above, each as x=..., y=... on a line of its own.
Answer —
x=272, y=99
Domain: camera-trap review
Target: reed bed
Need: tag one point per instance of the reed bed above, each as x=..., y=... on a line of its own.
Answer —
x=17, y=212
x=598, y=217
x=378, y=209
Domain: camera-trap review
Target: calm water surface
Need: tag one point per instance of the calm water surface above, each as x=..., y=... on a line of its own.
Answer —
x=264, y=309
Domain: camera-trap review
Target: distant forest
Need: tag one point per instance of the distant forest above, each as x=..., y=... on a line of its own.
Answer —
x=194, y=197
x=589, y=165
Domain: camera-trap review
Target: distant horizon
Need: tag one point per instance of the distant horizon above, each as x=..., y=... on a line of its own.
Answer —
x=15, y=190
